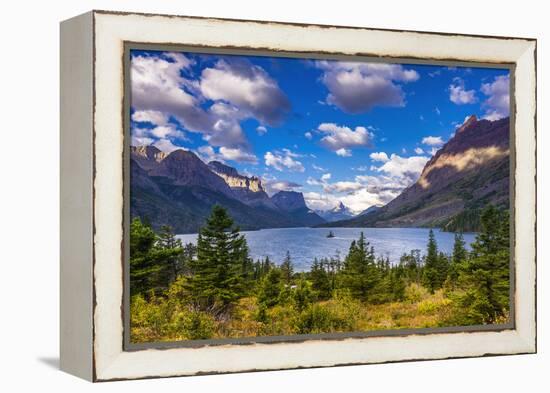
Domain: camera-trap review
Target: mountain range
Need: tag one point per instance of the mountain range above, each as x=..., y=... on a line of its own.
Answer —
x=468, y=172
x=178, y=189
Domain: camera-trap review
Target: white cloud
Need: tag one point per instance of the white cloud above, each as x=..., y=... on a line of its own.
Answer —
x=248, y=87
x=239, y=89
x=282, y=160
x=153, y=117
x=343, y=186
x=379, y=156
x=261, y=130
x=437, y=110
x=166, y=145
x=308, y=135
x=156, y=87
x=238, y=155
x=419, y=150
x=273, y=186
x=404, y=168
x=357, y=87
x=207, y=153
x=167, y=131
x=341, y=138
x=343, y=152
x=432, y=141
x=497, y=104
x=318, y=168
x=459, y=95
x=326, y=177
x=319, y=201
x=141, y=140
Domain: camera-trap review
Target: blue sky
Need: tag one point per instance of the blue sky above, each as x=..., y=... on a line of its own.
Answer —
x=350, y=132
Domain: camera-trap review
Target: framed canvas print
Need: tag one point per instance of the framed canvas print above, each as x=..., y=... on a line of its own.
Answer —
x=244, y=195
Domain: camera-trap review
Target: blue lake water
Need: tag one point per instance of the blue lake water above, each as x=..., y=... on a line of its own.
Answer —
x=305, y=244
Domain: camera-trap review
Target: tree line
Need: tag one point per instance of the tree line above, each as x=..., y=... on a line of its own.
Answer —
x=208, y=282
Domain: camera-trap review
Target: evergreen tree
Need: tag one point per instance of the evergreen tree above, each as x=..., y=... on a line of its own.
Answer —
x=287, y=269
x=176, y=264
x=217, y=279
x=151, y=261
x=486, y=274
x=458, y=257
x=431, y=276
x=270, y=288
x=321, y=282
x=360, y=274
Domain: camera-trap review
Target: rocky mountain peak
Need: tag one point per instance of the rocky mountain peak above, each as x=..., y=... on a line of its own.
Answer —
x=234, y=179
x=289, y=200
x=147, y=157
x=220, y=167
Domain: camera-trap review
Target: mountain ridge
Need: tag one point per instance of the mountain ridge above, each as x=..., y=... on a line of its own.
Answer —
x=468, y=172
x=179, y=189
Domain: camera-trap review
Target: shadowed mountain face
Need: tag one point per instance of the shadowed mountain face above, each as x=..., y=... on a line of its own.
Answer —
x=470, y=171
x=178, y=189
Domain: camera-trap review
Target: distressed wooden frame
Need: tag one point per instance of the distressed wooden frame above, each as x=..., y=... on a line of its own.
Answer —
x=92, y=194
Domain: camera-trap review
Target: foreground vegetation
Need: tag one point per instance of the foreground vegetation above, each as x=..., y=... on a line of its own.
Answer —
x=215, y=290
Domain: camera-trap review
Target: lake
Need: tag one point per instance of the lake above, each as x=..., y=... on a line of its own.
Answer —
x=305, y=244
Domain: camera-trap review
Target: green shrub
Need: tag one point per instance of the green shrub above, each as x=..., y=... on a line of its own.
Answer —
x=194, y=325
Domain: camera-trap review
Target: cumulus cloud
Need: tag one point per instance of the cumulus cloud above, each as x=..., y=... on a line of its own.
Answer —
x=283, y=160
x=357, y=87
x=153, y=117
x=379, y=156
x=208, y=153
x=458, y=93
x=319, y=201
x=326, y=176
x=343, y=152
x=156, y=85
x=404, y=167
x=166, y=145
x=165, y=89
x=308, y=135
x=261, y=130
x=497, y=105
x=432, y=141
x=419, y=150
x=343, y=186
x=248, y=87
x=340, y=139
x=273, y=186
x=393, y=176
x=238, y=155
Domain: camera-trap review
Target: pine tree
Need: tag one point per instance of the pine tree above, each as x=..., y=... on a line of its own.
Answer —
x=360, y=274
x=287, y=269
x=167, y=241
x=270, y=288
x=431, y=277
x=217, y=279
x=151, y=260
x=459, y=256
x=486, y=274
x=321, y=282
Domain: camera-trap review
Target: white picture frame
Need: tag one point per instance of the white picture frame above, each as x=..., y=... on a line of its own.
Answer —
x=93, y=189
